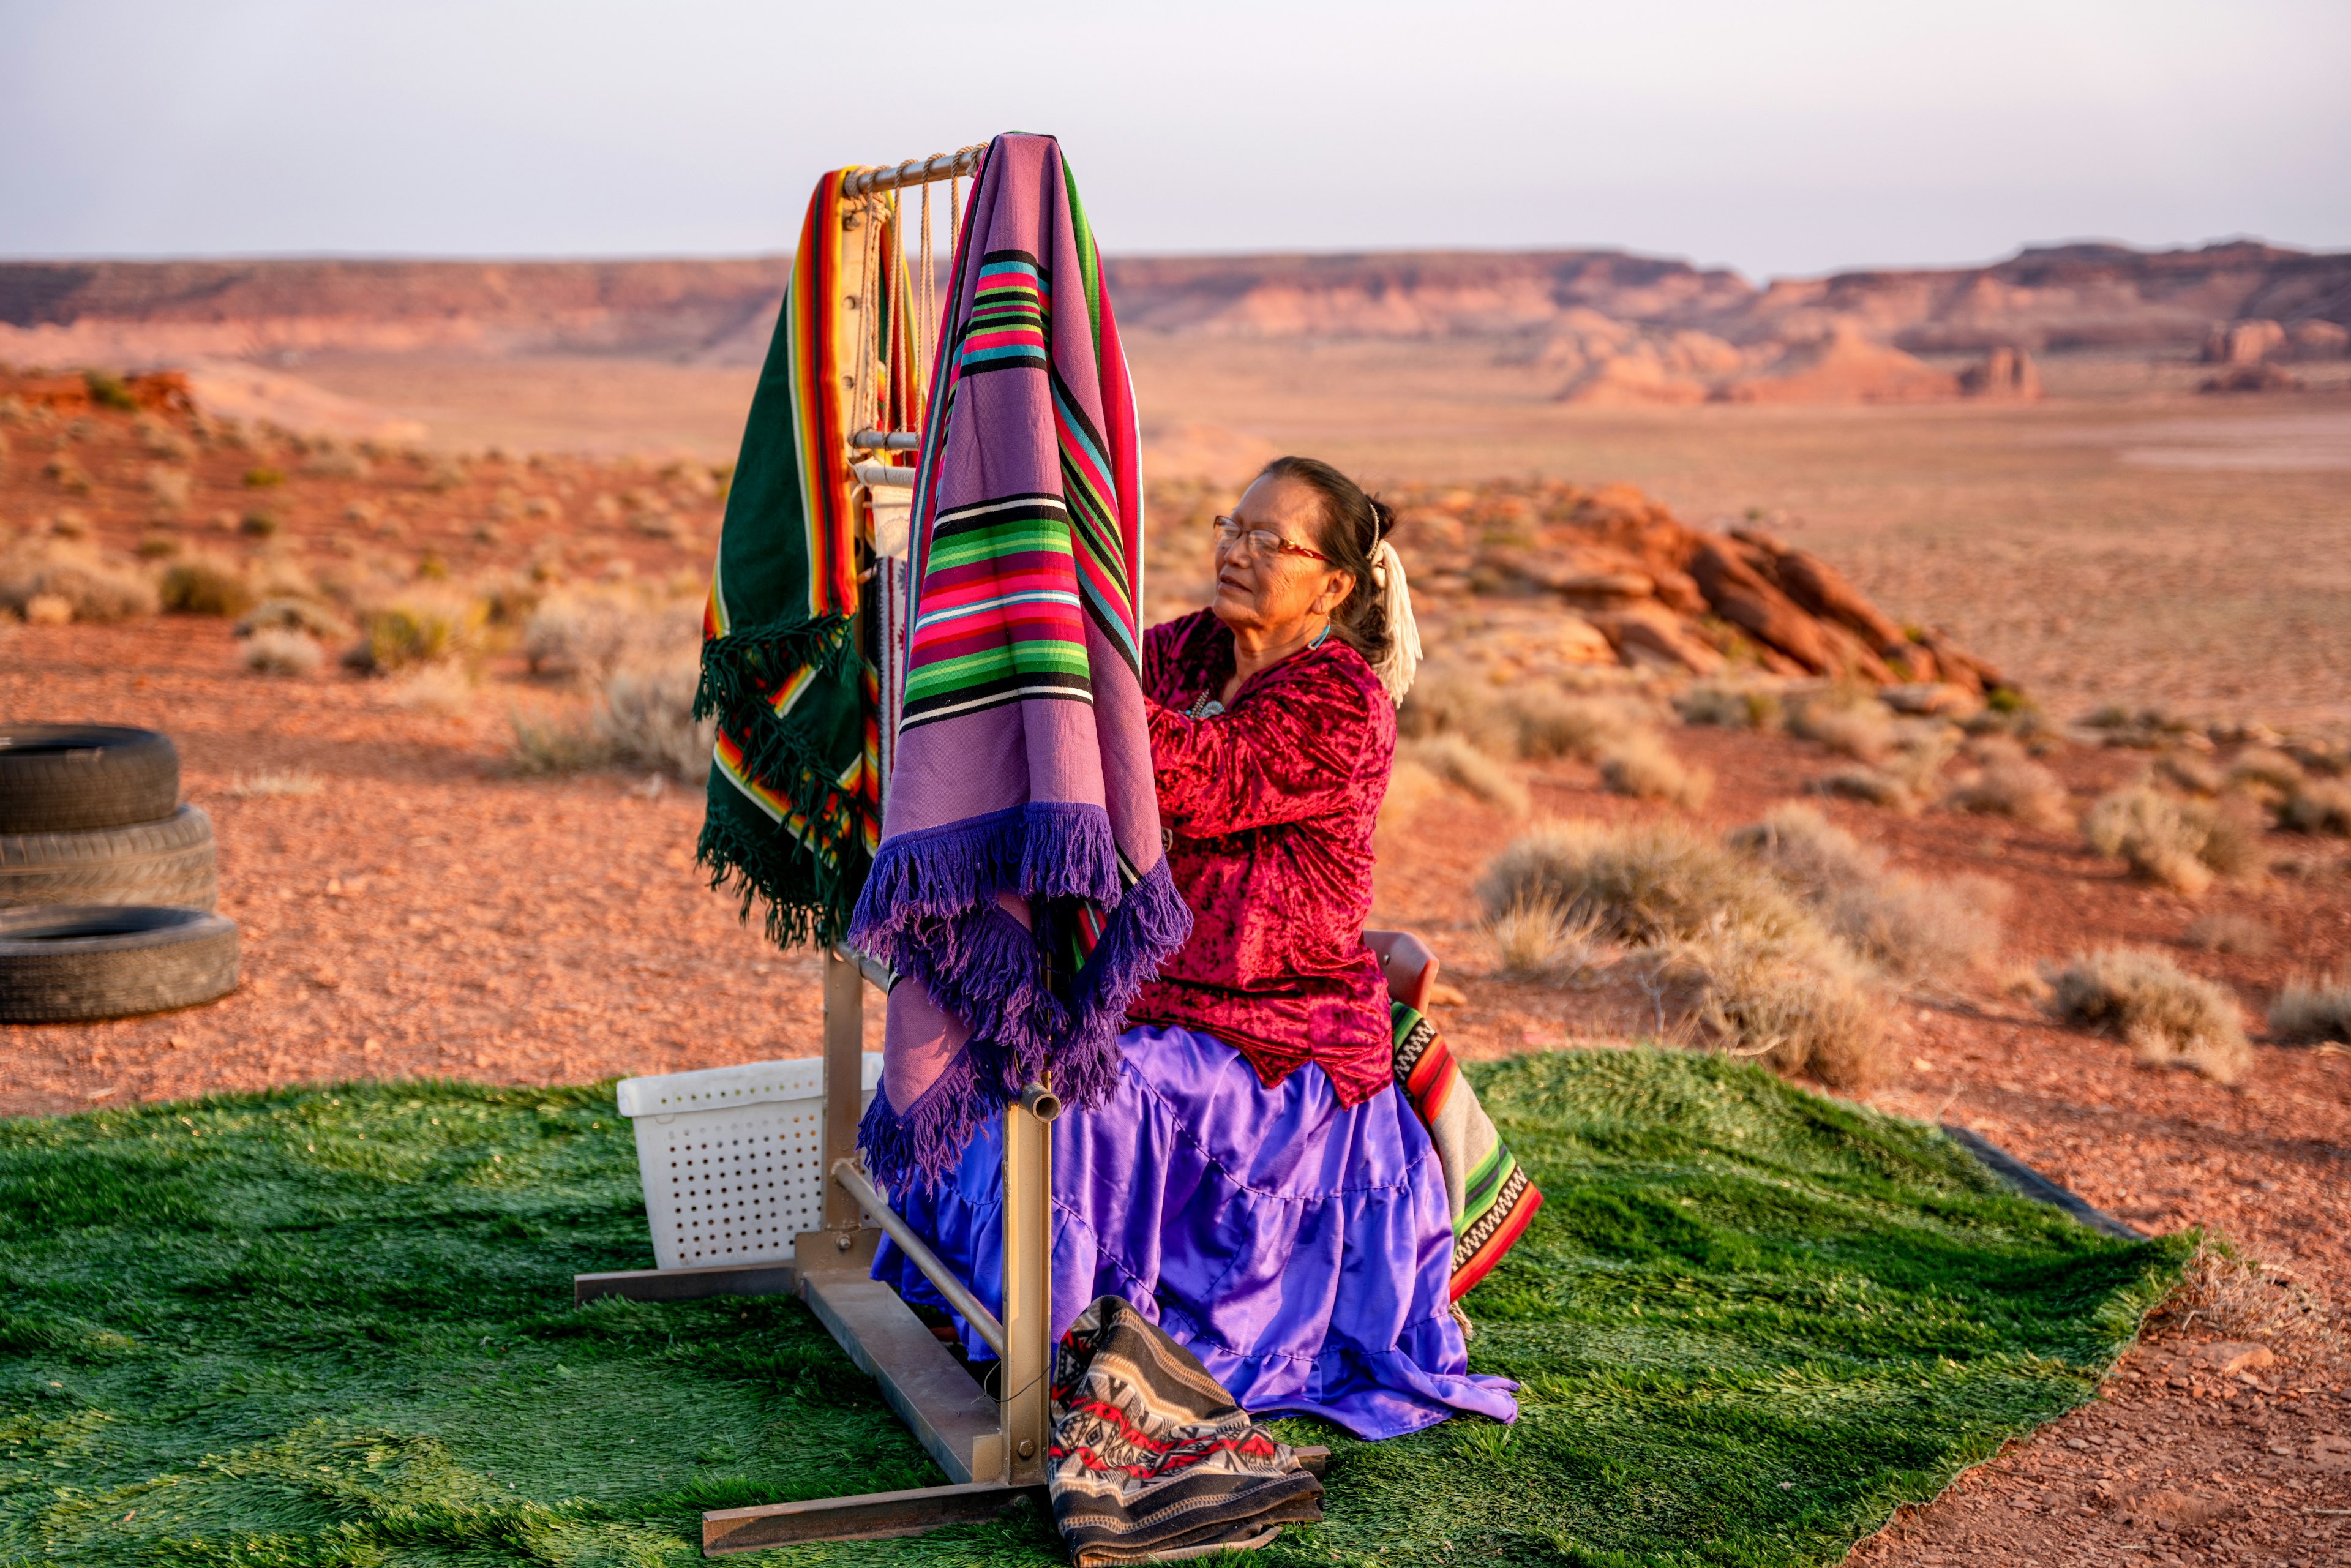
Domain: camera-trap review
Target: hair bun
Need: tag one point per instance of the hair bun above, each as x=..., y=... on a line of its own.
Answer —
x=1383, y=519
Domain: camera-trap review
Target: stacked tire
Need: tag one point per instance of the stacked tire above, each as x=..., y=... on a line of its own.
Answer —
x=107, y=882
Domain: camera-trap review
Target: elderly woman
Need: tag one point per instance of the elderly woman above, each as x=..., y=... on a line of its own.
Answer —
x=1256, y=1182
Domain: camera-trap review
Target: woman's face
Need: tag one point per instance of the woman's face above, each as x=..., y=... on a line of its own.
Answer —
x=1274, y=593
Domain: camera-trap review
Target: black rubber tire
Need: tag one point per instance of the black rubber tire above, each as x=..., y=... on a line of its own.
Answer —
x=71, y=777
x=68, y=963
x=168, y=863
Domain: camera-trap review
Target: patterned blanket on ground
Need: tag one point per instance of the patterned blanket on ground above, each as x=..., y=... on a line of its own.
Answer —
x=1019, y=887
x=794, y=792
x=1151, y=1458
x=1486, y=1189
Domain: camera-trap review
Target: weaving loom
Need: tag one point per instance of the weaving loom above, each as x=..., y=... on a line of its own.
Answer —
x=805, y=669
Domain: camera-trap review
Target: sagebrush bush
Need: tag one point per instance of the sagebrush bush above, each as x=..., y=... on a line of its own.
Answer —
x=2180, y=842
x=2267, y=768
x=1454, y=760
x=206, y=585
x=441, y=688
x=2007, y=783
x=647, y=717
x=1442, y=701
x=286, y=614
x=1810, y=1010
x=1538, y=941
x=1640, y=765
x=2225, y=931
x=1855, y=725
x=2169, y=1017
x=1550, y=725
x=1871, y=786
x=2308, y=1010
x=1730, y=706
x=91, y=585
x=1919, y=928
x=1914, y=928
x=1643, y=883
x=420, y=628
x=277, y=651
x=2318, y=806
x=584, y=637
x=1812, y=855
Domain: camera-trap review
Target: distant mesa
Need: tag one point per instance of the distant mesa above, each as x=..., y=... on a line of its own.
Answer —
x=1618, y=329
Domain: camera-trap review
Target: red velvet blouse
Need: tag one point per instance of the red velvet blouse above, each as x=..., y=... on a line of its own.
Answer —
x=1269, y=808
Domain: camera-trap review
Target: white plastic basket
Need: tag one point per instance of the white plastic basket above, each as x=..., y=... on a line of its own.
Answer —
x=733, y=1158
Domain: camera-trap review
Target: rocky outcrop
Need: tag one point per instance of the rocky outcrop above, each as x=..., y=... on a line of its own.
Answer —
x=1842, y=366
x=2243, y=342
x=2005, y=375
x=1664, y=594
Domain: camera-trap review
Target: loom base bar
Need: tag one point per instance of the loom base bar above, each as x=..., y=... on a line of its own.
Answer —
x=874, y=1516
x=688, y=1284
x=922, y=1380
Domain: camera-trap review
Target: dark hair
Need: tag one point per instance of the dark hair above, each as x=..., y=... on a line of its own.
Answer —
x=1352, y=526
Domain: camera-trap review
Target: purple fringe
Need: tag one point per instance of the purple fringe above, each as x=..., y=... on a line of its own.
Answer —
x=929, y=911
x=923, y=1146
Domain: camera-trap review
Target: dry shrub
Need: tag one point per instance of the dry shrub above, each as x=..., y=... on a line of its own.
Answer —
x=647, y=717
x=2170, y=1017
x=290, y=781
x=1812, y=855
x=1444, y=703
x=1808, y=1009
x=2166, y=839
x=1854, y=724
x=1922, y=929
x=443, y=689
x=2318, y=807
x=2007, y=783
x=418, y=629
x=1730, y=706
x=584, y=637
x=544, y=745
x=1643, y=883
x=1639, y=766
x=331, y=462
x=2308, y=1010
x=2225, y=931
x=1541, y=941
x=2265, y=768
x=2238, y=1298
x=1869, y=785
x=205, y=585
x=1916, y=929
x=276, y=651
x=291, y=614
x=1454, y=760
x=169, y=486
x=48, y=609
x=2186, y=771
x=1550, y=725
x=93, y=585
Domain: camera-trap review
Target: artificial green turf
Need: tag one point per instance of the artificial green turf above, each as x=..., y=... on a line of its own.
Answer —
x=332, y=1328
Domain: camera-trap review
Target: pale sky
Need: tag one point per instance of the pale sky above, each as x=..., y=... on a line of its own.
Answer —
x=1792, y=138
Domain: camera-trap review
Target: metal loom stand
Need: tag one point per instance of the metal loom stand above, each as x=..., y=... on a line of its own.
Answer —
x=993, y=1449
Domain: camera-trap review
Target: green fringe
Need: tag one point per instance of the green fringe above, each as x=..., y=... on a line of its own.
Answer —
x=735, y=667
x=807, y=899
x=809, y=892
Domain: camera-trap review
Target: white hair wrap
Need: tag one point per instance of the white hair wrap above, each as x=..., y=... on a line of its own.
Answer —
x=1398, y=665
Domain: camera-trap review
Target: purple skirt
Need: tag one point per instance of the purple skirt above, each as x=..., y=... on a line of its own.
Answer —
x=1302, y=1249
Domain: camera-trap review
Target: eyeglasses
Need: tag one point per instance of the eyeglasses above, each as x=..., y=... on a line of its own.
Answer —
x=1262, y=541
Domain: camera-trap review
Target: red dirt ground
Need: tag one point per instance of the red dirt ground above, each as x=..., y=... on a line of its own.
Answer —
x=425, y=914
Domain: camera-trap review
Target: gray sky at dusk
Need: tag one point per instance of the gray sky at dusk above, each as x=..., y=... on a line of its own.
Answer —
x=1780, y=139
